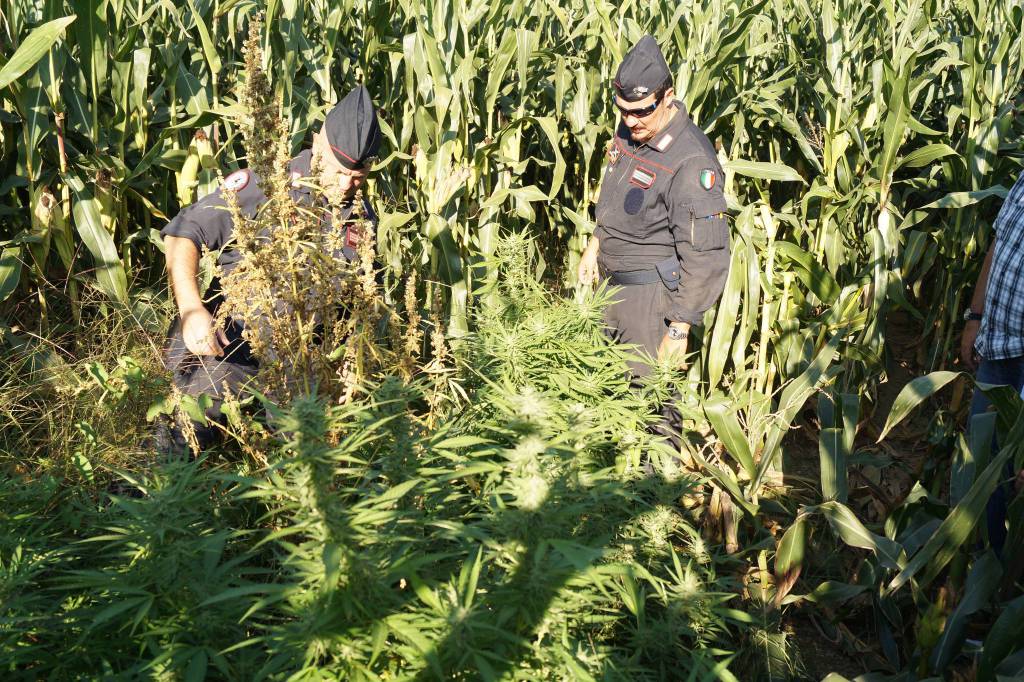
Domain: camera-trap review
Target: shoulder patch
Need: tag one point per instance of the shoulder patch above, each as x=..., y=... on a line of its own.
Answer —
x=708, y=178
x=237, y=181
x=613, y=154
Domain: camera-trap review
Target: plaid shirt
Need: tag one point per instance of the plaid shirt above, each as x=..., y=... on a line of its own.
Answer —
x=1001, y=335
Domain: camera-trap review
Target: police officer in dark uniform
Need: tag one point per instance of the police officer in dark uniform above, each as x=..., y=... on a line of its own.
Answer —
x=661, y=228
x=208, y=360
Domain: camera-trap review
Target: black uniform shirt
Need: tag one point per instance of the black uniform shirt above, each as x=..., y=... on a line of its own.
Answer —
x=662, y=198
x=208, y=222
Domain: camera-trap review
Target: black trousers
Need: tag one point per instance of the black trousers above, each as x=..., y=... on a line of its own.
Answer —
x=637, y=316
x=196, y=375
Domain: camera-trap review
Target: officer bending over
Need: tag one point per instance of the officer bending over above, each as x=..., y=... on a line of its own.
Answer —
x=205, y=359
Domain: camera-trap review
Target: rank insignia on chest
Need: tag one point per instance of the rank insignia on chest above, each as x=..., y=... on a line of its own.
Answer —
x=643, y=177
x=708, y=178
x=613, y=154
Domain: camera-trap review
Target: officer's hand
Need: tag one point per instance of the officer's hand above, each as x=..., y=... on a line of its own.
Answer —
x=674, y=350
x=201, y=337
x=587, y=270
x=967, y=353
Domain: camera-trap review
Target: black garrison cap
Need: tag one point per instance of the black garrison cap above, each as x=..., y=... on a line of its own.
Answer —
x=352, y=129
x=643, y=71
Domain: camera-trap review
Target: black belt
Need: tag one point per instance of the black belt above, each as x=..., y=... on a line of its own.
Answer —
x=666, y=272
x=634, y=277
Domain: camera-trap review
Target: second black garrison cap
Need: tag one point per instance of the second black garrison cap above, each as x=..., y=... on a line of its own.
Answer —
x=643, y=71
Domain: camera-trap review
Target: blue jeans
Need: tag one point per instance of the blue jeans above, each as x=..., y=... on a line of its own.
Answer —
x=1009, y=372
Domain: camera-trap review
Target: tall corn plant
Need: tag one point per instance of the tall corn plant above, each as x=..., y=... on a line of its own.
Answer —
x=496, y=115
x=826, y=171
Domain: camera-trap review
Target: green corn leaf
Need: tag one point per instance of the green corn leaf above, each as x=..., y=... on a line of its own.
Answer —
x=549, y=126
x=895, y=126
x=971, y=455
x=727, y=428
x=981, y=584
x=496, y=72
x=726, y=318
x=763, y=170
x=965, y=199
x=926, y=155
x=92, y=36
x=32, y=49
x=448, y=260
x=850, y=403
x=10, y=270
x=727, y=479
x=832, y=455
x=913, y=394
x=829, y=592
x=956, y=528
x=792, y=401
x=1007, y=401
x=110, y=275
x=851, y=531
x=828, y=410
x=209, y=49
x=1011, y=668
x=789, y=558
x=811, y=272
x=1003, y=639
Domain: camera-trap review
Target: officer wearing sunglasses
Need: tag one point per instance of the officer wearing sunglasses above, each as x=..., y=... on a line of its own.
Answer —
x=203, y=358
x=661, y=234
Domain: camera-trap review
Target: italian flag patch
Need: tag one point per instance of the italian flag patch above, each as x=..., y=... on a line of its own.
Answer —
x=707, y=178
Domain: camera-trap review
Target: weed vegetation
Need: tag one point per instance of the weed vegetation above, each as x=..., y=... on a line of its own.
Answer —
x=501, y=534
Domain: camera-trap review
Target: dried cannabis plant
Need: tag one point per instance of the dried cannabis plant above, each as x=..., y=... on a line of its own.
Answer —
x=310, y=316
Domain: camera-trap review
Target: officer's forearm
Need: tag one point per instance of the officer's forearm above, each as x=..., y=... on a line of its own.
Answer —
x=978, y=300
x=183, y=269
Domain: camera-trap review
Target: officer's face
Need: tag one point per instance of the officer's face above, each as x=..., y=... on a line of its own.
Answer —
x=349, y=180
x=643, y=128
x=334, y=176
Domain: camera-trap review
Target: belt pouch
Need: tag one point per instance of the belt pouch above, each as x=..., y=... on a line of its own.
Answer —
x=668, y=270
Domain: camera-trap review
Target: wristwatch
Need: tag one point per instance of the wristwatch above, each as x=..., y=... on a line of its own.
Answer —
x=676, y=333
x=970, y=315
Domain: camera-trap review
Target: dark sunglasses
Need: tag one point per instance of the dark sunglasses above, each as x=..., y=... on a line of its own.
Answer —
x=642, y=112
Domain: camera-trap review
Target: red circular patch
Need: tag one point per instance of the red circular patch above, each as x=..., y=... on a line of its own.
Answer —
x=237, y=180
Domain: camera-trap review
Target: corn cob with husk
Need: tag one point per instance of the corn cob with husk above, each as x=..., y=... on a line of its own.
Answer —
x=200, y=156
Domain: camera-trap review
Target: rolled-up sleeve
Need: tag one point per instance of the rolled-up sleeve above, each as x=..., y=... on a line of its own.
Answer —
x=700, y=230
